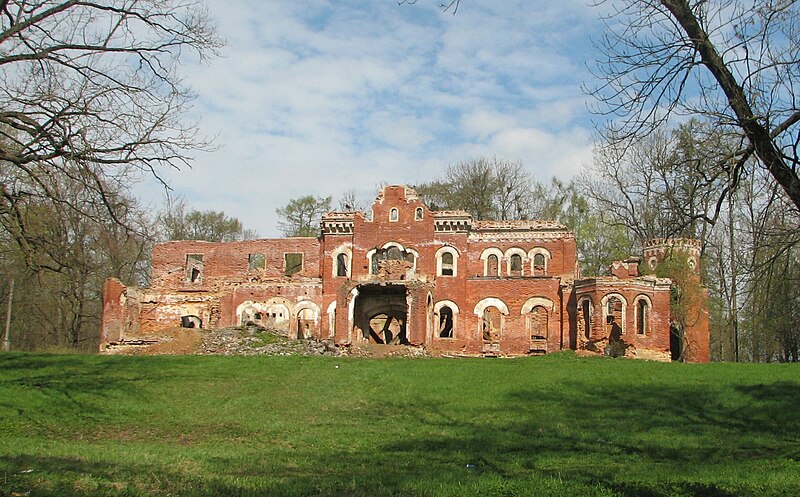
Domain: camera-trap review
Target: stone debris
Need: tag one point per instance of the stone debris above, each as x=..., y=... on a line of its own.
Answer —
x=254, y=340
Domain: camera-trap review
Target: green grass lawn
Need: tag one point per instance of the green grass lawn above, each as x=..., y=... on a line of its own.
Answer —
x=73, y=425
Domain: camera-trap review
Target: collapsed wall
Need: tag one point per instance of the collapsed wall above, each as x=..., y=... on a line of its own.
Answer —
x=404, y=274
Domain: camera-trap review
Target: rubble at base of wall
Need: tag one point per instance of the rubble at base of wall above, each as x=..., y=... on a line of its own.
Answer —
x=252, y=340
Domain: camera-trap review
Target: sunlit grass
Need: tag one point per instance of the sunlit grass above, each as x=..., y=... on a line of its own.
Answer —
x=556, y=425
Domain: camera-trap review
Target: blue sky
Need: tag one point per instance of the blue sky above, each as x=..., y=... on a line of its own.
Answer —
x=320, y=97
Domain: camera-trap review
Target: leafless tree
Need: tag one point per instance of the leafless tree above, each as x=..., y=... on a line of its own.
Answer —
x=663, y=185
x=732, y=62
x=90, y=96
x=487, y=188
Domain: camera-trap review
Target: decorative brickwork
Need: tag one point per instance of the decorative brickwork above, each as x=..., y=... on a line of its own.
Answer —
x=407, y=275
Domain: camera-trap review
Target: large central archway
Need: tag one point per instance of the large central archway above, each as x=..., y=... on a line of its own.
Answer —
x=381, y=313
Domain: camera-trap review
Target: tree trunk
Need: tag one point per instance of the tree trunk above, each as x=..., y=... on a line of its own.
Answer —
x=758, y=136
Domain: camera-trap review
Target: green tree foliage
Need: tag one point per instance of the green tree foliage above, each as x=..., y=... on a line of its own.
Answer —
x=301, y=216
x=687, y=296
x=601, y=240
x=212, y=226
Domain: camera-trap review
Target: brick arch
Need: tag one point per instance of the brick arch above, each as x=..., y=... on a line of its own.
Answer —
x=485, y=258
x=624, y=312
x=508, y=255
x=307, y=322
x=532, y=256
x=346, y=250
x=449, y=303
x=490, y=302
x=515, y=250
x=534, y=301
x=307, y=304
x=447, y=249
x=269, y=308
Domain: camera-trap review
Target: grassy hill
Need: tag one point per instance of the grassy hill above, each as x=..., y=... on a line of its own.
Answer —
x=74, y=425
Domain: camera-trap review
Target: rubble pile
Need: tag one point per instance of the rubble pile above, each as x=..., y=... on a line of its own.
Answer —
x=254, y=340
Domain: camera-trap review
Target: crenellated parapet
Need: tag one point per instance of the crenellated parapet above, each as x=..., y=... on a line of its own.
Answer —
x=656, y=250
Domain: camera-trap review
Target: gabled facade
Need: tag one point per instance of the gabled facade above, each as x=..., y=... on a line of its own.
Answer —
x=406, y=275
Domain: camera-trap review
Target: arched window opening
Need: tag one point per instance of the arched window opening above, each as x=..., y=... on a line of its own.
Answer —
x=392, y=262
x=614, y=318
x=445, y=322
x=447, y=264
x=341, y=265
x=539, y=267
x=492, y=265
x=394, y=214
x=586, y=318
x=305, y=323
x=516, y=265
x=418, y=214
x=641, y=317
x=538, y=323
x=491, y=324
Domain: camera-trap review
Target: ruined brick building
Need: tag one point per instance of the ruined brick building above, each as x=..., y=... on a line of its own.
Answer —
x=406, y=274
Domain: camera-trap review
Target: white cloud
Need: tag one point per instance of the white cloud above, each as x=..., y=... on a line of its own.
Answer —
x=321, y=97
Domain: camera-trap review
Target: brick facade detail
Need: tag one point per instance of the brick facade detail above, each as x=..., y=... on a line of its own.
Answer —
x=407, y=275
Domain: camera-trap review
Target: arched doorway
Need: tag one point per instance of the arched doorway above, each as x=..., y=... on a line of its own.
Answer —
x=380, y=314
x=306, y=320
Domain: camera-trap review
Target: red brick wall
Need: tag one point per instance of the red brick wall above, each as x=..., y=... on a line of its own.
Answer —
x=227, y=282
x=226, y=263
x=656, y=337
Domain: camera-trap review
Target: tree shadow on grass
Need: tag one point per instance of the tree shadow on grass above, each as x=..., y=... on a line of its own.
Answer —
x=47, y=390
x=552, y=440
x=605, y=441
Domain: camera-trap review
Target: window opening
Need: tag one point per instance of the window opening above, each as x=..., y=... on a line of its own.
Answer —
x=538, y=323
x=641, y=317
x=445, y=322
x=447, y=264
x=538, y=264
x=293, y=263
x=418, y=213
x=392, y=262
x=614, y=318
x=491, y=324
x=256, y=261
x=492, y=265
x=393, y=214
x=341, y=265
x=194, y=268
x=516, y=265
x=587, y=318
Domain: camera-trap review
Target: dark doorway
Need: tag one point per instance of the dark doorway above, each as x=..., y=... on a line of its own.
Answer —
x=675, y=343
x=381, y=313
